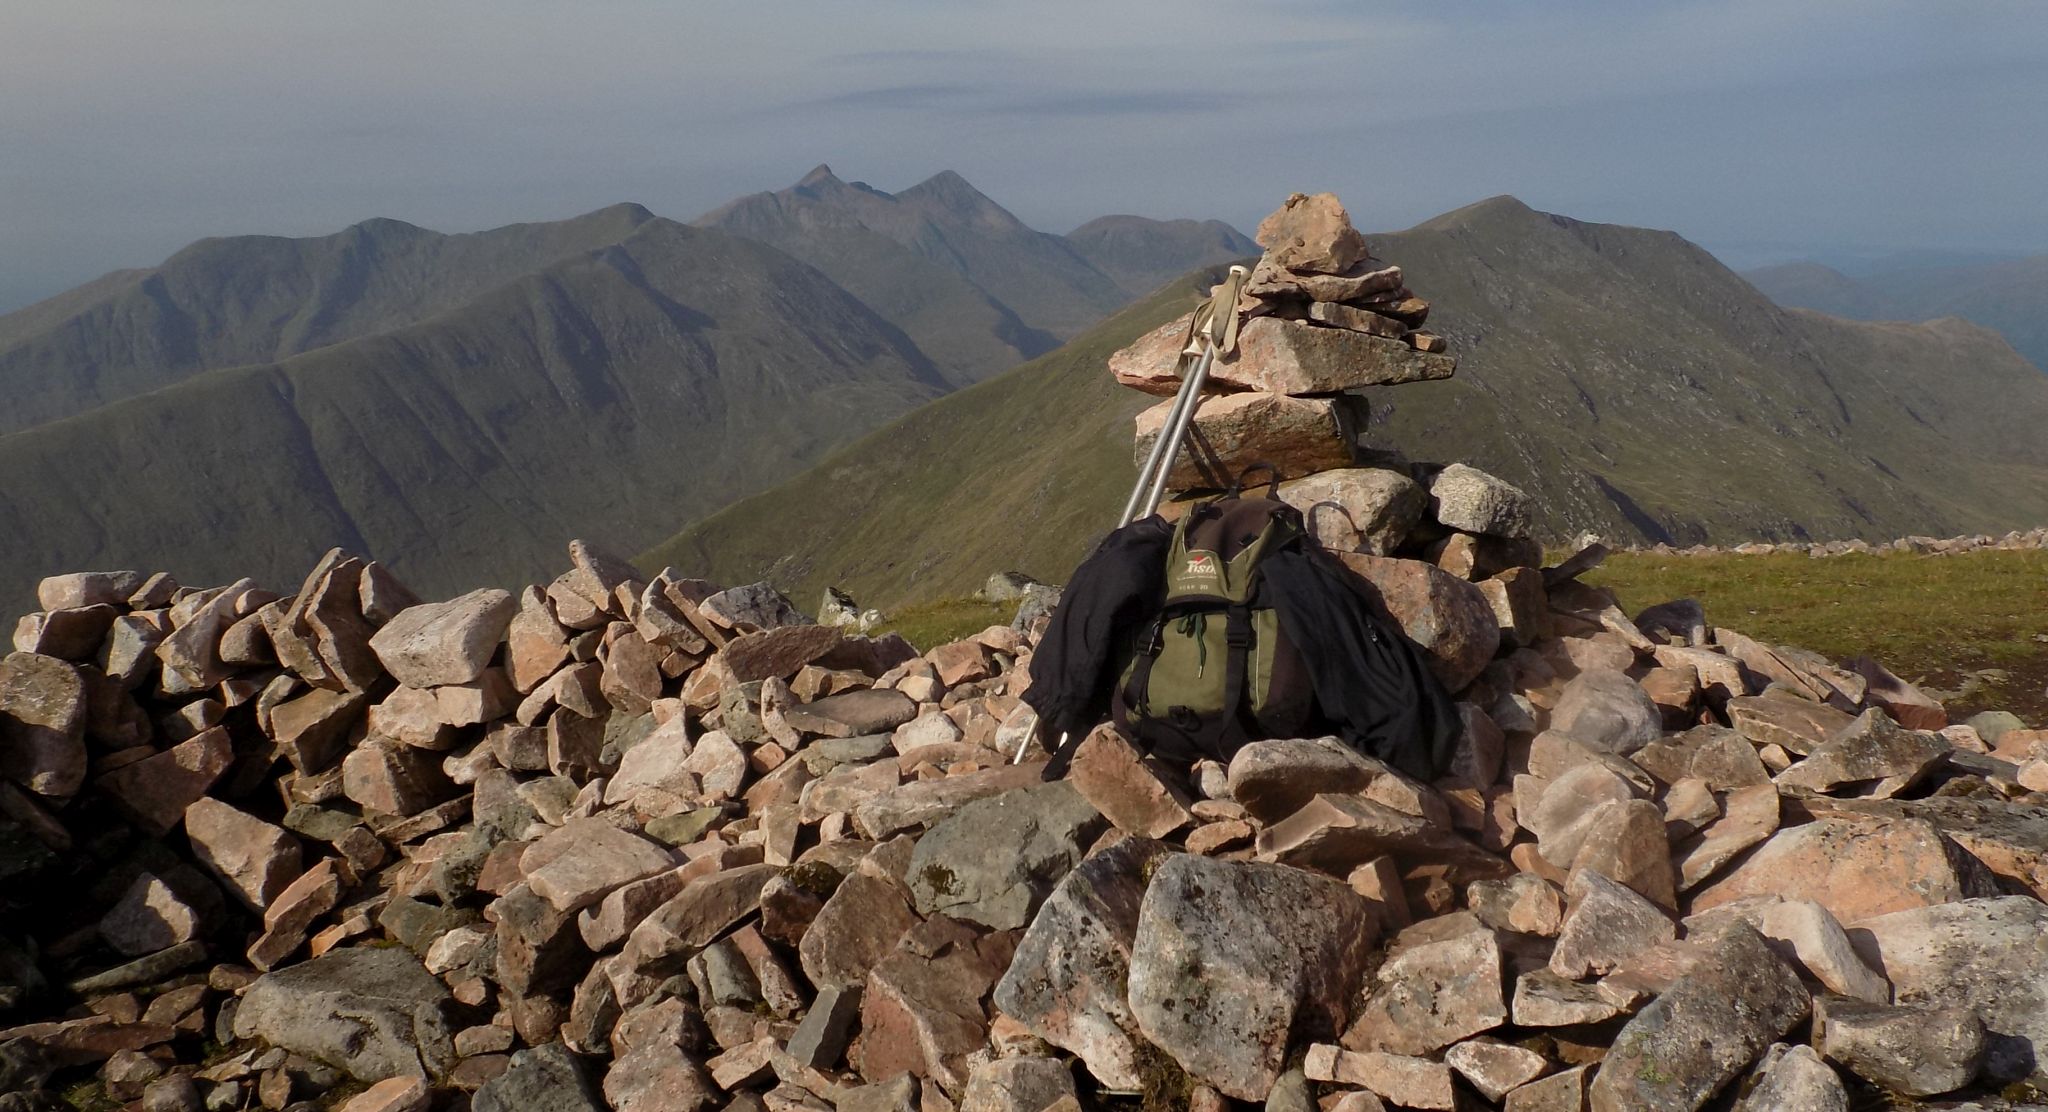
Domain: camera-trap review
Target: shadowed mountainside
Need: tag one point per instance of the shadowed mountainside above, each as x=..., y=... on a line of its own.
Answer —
x=1624, y=377
x=601, y=396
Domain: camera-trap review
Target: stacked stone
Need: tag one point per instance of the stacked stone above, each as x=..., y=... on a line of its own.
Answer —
x=1322, y=320
x=646, y=844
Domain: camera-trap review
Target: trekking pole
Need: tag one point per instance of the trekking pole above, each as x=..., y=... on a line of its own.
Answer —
x=1026, y=744
x=1214, y=328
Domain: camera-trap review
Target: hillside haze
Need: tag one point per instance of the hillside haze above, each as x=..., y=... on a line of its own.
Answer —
x=1623, y=376
x=2008, y=296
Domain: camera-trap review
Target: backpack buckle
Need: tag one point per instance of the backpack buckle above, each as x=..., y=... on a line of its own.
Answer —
x=1155, y=638
x=1237, y=632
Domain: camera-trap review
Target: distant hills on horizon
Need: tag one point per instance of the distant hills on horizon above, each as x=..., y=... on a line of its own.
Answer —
x=2007, y=295
x=460, y=405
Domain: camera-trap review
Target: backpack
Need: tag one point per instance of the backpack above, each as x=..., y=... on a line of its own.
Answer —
x=1213, y=669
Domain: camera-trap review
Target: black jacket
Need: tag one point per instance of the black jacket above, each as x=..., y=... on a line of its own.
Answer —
x=1373, y=685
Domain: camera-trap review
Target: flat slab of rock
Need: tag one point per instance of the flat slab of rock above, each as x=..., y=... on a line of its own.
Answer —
x=1274, y=779
x=853, y=714
x=1281, y=357
x=1337, y=833
x=1432, y=995
x=374, y=1012
x=1872, y=748
x=155, y=791
x=1987, y=955
x=253, y=858
x=1137, y=796
x=1856, y=868
x=1298, y=436
x=2010, y=837
x=578, y=864
x=1903, y=1049
x=1704, y=1031
x=858, y=926
x=1800, y=725
x=994, y=860
x=890, y=812
x=1067, y=981
x=1233, y=961
x=437, y=643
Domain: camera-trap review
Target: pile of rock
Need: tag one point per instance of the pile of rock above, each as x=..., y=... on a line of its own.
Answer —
x=2030, y=540
x=648, y=844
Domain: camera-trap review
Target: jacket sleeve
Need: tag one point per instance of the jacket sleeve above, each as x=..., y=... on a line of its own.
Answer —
x=1120, y=584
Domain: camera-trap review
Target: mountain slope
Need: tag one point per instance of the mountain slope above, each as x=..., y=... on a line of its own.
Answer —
x=1624, y=377
x=2010, y=296
x=976, y=288
x=1144, y=254
x=257, y=299
x=658, y=377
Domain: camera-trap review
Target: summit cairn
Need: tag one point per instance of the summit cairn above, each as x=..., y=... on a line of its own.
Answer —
x=1322, y=320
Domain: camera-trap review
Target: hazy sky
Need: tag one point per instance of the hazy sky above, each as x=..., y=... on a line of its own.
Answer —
x=1760, y=128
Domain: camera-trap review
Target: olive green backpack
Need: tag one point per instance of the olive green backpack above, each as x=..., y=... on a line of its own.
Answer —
x=1214, y=669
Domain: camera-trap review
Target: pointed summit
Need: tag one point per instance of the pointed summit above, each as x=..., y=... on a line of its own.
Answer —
x=820, y=174
x=954, y=194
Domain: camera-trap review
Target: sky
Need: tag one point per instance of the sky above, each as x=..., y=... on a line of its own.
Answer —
x=1764, y=130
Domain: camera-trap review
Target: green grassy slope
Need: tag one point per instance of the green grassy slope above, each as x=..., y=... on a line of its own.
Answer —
x=1624, y=377
x=1022, y=473
x=662, y=376
x=1973, y=626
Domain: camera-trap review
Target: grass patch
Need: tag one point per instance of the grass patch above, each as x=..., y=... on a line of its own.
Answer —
x=927, y=624
x=1971, y=628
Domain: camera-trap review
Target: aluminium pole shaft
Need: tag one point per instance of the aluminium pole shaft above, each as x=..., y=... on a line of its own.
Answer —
x=1181, y=418
x=1186, y=399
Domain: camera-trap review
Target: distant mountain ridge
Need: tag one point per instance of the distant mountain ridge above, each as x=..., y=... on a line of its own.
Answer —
x=941, y=259
x=1144, y=254
x=2010, y=296
x=243, y=300
x=459, y=405
x=1624, y=377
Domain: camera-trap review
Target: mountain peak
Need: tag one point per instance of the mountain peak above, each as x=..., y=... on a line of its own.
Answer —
x=950, y=189
x=384, y=228
x=1504, y=210
x=820, y=174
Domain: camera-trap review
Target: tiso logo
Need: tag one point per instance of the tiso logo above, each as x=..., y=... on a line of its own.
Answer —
x=1201, y=563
